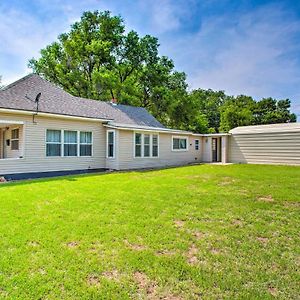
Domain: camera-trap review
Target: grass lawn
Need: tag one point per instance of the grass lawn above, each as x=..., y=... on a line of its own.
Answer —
x=207, y=231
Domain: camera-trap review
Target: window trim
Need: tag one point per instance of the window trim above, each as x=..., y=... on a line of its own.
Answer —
x=91, y=144
x=114, y=144
x=157, y=145
x=77, y=143
x=12, y=140
x=197, y=140
x=183, y=138
x=62, y=143
x=46, y=143
x=142, y=144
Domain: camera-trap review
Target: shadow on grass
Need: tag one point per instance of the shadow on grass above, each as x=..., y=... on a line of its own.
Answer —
x=83, y=175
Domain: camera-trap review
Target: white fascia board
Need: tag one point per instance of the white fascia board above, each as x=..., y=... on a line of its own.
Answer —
x=146, y=128
x=44, y=114
x=11, y=122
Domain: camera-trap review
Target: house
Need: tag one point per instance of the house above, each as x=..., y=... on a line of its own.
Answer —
x=45, y=130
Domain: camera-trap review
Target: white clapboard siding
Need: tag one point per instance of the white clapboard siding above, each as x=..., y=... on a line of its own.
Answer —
x=167, y=157
x=271, y=147
x=33, y=142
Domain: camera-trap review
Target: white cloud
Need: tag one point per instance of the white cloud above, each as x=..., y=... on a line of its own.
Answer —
x=244, y=54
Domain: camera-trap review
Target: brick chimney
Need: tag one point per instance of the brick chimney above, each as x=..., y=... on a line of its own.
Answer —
x=114, y=101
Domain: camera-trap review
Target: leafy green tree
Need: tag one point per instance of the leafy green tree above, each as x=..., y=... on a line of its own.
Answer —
x=209, y=102
x=97, y=59
x=271, y=111
x=237, y=111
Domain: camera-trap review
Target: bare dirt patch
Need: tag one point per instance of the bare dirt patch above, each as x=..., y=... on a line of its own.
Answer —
x=273, y=291
x=165, y=253
x=145, y=284
x=179, y=223
x=214, y=251
x=93, y=280
x=42, y=271
x=151, y=289
x=226, y=181
x=237, y=222
x=292, y=204
x=192, y=255
x=268, y=198
x=33, y=243
x=263, y=240
x=72, y=244
x=136, y=247
x=112, y=275
x=198, y=235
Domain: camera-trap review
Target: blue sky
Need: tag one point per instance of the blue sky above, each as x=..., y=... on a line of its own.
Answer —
x=242, y=47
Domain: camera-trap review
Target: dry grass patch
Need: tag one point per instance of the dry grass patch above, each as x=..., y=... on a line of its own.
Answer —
x=268, y=198
x=33, y=243
x=93, y=280
x=136, y=247
x=145, y=285
x=192, y=255
x=165, y=253
x=214, y=251
x=150, y=288
x=226, y=181
x=179, y=223
x=112, y=275
x=263, y=240
x=273, y=291
x=237, y=222
x=72, y=244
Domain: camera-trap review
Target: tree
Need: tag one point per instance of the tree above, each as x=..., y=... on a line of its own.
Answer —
x=97, y=59
x=237, y=111
x=209, y=102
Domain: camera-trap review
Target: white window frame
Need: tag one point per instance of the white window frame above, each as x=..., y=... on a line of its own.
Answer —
x=183, y=138
x=51, y=143
x=88, y=144
x=62, y=143
x=142, y=144
x=157, y=145
x=13, y=140
x=77, y=142
x=197, y=140
x=114, y=144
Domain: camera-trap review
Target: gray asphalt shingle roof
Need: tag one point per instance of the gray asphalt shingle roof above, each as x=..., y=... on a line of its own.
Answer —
x=21, y=94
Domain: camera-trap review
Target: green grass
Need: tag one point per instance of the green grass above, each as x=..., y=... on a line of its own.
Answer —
x=207, y=231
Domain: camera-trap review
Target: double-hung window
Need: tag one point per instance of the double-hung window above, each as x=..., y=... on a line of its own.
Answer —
x=70, y=143
x=155, y=145
x=111, y=144
x=146, y=145
x=197, y=147
x=53, y=143
x=85, y=143
x=15, y=139
x=179, y=144
x=138, y=145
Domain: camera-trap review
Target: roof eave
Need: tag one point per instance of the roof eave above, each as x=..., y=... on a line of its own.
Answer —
x=54, y=115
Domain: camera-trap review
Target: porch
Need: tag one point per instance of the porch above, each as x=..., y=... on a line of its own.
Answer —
x=11, y=139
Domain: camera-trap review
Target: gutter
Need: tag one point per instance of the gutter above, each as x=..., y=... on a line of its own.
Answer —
x=146, y=128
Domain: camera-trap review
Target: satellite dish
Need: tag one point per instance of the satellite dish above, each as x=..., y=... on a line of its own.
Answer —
x=37, y=98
